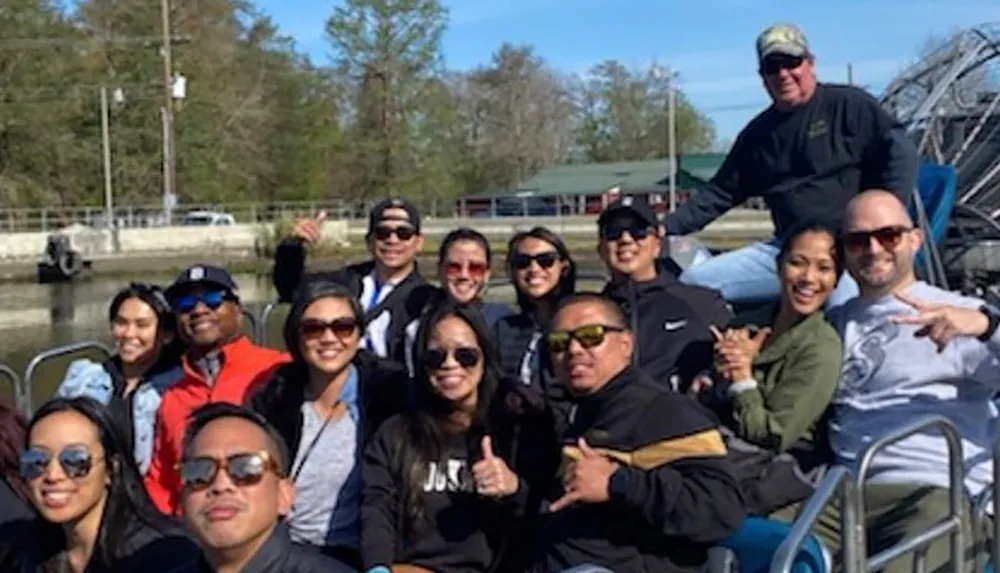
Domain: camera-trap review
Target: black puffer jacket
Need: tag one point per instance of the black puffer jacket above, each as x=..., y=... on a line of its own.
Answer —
x=146, y=548
x=278, y=555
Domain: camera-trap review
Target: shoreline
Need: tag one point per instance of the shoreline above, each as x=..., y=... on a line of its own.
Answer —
x=21, y=272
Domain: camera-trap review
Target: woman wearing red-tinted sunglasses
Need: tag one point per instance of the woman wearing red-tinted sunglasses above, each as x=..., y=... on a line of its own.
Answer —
x=464, y=261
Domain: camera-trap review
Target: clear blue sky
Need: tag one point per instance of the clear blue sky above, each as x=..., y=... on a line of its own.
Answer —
x=709, y=42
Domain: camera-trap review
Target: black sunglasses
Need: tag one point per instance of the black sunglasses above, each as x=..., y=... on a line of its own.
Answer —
x=313, y=328
x=774, y=64
x=588, y=336
x=383, y=233
x=615, y=232
x=466, y=356
x=545, y=260
x=76, y=462
x=243, y=469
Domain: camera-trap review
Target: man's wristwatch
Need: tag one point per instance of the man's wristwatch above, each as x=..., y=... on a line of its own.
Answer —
x=994, y=320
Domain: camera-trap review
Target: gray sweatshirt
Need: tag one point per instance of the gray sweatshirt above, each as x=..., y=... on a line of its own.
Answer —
x=889, y=377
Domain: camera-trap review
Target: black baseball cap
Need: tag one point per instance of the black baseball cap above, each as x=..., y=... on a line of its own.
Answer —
x=377, y=214
x=629, y=206
x=203, y=275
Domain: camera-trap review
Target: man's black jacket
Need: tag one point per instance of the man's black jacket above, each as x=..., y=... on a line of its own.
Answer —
x=406, y=301
x=808, y=163
x=670, y=321
x=676, y=495
x=280, y=555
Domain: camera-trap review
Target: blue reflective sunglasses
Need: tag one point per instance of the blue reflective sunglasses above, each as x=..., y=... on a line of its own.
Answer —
x=212, y=299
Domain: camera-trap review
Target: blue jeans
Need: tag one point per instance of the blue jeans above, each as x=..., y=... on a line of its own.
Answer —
x=750, y=275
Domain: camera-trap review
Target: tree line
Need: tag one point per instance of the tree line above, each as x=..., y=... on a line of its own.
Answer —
x=262, y=122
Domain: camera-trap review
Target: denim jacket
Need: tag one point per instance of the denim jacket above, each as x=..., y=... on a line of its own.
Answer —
x=98, y=381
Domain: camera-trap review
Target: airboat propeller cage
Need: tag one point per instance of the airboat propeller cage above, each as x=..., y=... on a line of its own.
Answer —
x=949, y=102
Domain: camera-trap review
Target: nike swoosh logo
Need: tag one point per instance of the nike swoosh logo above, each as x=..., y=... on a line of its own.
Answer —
x=672, y=325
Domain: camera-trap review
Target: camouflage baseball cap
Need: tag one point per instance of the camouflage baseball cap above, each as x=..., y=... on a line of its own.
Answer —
x=785, y=39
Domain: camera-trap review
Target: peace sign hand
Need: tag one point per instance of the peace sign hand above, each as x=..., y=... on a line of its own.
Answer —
x=943, y=323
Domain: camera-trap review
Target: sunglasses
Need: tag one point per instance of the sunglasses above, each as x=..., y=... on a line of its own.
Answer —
x=588, y=336
x=475, y=269
x=75, y=461
x=244, y=470
x=313, y=328
x=888, y=237
x=775, y=64
x=212, y=299
x=466, y=357
x=615, y=233
x=403, y=233
x=545, y=260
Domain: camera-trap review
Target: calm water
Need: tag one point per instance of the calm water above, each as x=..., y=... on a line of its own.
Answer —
x=36, y=317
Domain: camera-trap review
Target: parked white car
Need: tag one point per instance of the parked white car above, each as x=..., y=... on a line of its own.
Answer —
x=207, y=219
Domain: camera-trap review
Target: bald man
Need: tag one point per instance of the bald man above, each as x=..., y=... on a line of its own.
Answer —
x=910, y=349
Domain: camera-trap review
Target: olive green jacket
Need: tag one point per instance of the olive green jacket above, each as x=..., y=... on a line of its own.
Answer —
x=795, y=377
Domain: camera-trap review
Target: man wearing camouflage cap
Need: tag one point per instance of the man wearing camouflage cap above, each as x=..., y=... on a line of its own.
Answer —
x=807, y=155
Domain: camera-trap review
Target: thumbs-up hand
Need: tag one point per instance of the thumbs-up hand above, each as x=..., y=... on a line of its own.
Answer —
x=587, y=479
x=492, y=476
x=309, y=230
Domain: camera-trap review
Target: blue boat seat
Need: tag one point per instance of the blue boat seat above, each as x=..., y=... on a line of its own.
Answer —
x=937, y=188
x=755, y=544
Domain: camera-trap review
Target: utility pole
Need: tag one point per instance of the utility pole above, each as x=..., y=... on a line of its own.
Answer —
x=106, y=138
x=850, y=74
x=169, y=157
x=672, y=137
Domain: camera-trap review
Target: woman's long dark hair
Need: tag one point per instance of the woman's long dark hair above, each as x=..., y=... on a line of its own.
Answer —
x=567, y=281
x=12, y=432
x=152, y=295
x=425, y=437
x=127, y=502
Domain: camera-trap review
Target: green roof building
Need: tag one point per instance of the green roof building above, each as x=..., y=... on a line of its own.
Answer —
x=583, y=188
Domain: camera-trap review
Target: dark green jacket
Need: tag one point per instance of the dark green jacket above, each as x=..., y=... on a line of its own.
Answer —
x=796, y=376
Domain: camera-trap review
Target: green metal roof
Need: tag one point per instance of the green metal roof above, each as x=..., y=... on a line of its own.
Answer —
x=596, y=178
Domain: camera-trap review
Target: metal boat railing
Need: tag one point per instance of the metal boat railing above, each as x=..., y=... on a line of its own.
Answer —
x=28, y=381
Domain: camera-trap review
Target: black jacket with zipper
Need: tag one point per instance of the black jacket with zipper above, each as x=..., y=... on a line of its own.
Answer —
x=278, y=555
x=382, y=386
x=670, y=321
x=405, y=303
x=673, y=497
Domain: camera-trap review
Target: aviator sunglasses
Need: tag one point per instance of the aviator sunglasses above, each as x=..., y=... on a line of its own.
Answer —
x=313, y=328
x=211, y=299
x=75, y=461
x=466, y=356
x=545, y=260
x=383, y=233
x=588, y=336
x=888, y=237
x=243, y=469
